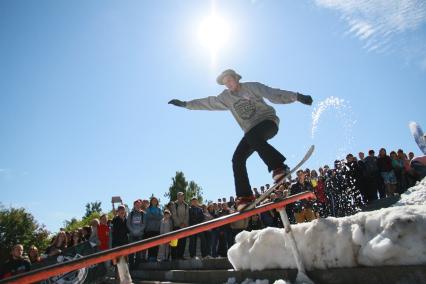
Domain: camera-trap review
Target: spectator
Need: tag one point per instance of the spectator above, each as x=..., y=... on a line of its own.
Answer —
x=314, y=178
x=372, y=177
x=224, y=241
x=321, y=196
x=321, y=171
x=303, y=208
x=362, y=182
x=404, y=163
x=410, y=156
x=69, y=238
x=196, y=216
x=119, y=228
x=254, y=223
x=213, y=211
x=208, y=212
x=34, y=255
x=153, y=218
x=180, y=215
x=353, y=177
x=86, y=231
x=59, y=244
x=136, y=227
x=16, y=263
x=76, y=238
x=103, y=232
x=231, y=202
x=94, y=238
x=166, y=226
x=145, y=204
x=271, y=218
x=256, y=192
x=384, y=162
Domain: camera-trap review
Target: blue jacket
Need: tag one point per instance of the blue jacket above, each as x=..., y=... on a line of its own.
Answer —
x=153, y=217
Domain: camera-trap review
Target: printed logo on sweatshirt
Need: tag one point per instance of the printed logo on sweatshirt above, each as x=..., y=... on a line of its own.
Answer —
x=245, y=108
x=137, y=220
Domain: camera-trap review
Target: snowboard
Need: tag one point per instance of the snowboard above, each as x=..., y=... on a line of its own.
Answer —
x=279, y=182
x=418, y=135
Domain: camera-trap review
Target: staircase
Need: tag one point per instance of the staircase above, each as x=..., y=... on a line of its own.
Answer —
x=219, y=270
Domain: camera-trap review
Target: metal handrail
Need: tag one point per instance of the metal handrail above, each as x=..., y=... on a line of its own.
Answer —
x=98, y=257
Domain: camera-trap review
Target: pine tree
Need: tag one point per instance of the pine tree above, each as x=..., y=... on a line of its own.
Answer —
x=179, y=184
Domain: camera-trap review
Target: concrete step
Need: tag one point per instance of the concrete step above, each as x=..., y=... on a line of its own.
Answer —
x=190, y=264
x=365, y=275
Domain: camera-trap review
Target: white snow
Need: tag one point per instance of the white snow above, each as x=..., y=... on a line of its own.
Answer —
x=257, y=281
x=390, y=236
x=415, y=195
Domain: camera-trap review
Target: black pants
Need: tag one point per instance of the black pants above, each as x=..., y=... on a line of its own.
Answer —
x=135, y=258
x=152, y=252
x=193, y=245
x=255, y=141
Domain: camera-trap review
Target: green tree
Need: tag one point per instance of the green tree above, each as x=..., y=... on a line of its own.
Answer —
x=17, y=226
x=92, y=207
x=75, y=224
x=194, y=190
x=179, y=184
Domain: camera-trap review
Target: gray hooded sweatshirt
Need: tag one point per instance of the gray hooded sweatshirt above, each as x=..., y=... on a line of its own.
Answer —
x=135, y=223
x=248, y=105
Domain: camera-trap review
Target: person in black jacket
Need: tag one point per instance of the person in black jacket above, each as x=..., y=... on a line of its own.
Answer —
x=196, y=216
x=119, y=230
x=353, y=177
x=372, y=177
x=16, y=264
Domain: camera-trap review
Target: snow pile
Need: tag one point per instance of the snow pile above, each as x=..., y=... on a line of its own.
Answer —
x=250, y=281
x=415, y=195
x=390, y=236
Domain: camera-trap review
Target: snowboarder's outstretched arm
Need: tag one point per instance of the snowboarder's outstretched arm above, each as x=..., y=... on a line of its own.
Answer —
x=209, y=103
x=279, y=96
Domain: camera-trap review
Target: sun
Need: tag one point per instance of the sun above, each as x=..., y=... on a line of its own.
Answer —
x=214, y=33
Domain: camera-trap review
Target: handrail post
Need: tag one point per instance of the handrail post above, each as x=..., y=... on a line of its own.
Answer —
x=301, y=272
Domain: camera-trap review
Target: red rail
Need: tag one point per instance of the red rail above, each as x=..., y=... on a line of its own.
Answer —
x=61, y=268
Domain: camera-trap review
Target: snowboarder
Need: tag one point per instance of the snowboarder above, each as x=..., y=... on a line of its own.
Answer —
x=257, y=119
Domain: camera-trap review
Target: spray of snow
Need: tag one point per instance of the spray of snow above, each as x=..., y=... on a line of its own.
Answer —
x=390, y=236
x=343, y=110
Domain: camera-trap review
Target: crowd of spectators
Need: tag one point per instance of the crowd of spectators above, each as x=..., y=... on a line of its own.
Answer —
x=340, y=191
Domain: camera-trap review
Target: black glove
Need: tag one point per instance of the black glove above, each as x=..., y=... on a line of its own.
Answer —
x=307, y=100
x=178, y=103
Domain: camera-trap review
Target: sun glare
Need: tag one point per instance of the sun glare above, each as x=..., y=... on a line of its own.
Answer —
x=213, y=33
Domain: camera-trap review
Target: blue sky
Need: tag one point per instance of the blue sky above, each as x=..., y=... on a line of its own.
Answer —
x=84, y=87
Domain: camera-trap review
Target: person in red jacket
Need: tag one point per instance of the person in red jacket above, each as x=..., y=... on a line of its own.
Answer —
x=321, y=195
x=103, y=232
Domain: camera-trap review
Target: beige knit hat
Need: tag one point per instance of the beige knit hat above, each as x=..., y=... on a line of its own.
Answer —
x=227, y=72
